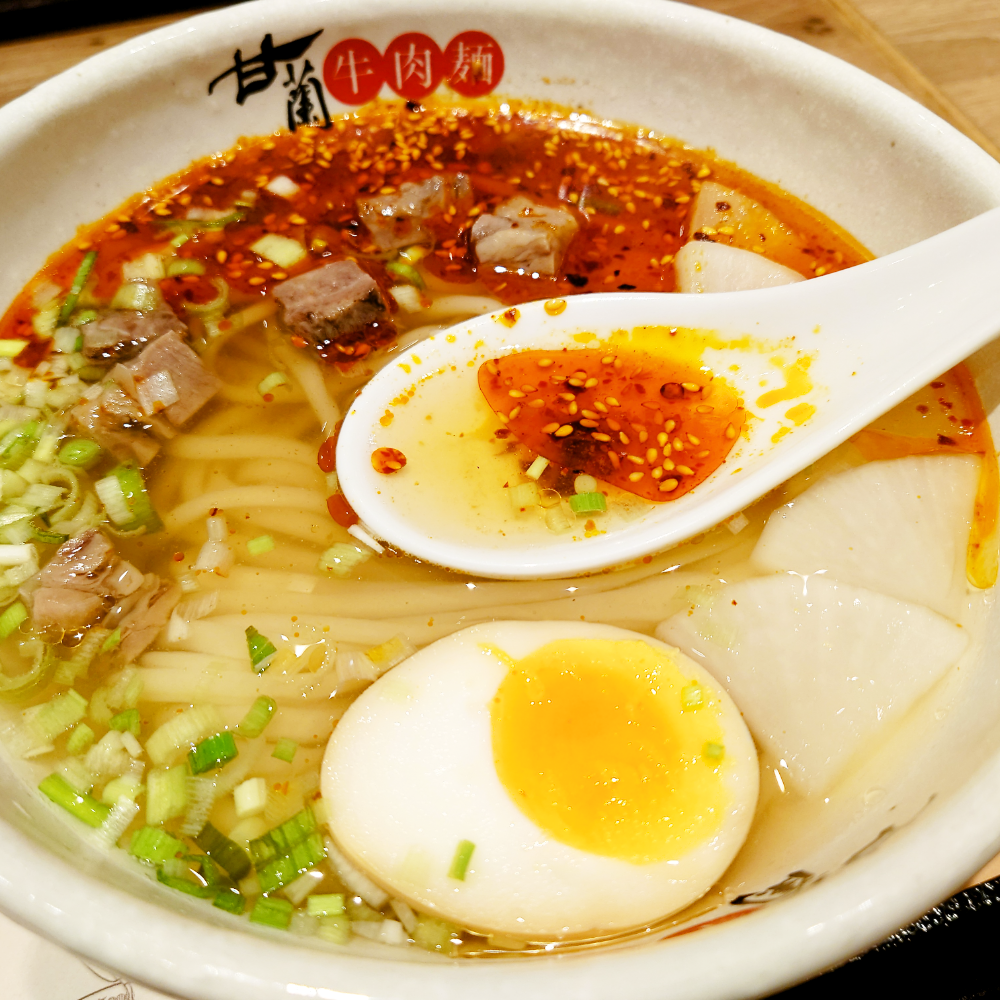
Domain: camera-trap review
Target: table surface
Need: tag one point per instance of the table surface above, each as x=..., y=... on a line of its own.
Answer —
x=943, y=53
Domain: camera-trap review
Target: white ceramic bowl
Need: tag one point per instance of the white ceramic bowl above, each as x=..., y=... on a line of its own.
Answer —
x=882, y=166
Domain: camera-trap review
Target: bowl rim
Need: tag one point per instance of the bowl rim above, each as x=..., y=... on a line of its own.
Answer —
x=775, y=946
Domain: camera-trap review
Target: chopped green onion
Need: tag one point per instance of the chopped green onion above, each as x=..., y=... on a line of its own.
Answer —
x=250, y=797
x=166, y=794
x=460, y=862
x=67, y=339
x=342, y=558
x=82, y=274
x=588, y=503
x=137, y=294
x=31, y=681
x=389, y=653
x=330, y=905
x=127, y=786
x=303, y=856
x=17, y=445
x=80, y=739
x=212, y=753
x=256, y=720
x=83, y=807
x=278, y=842
x=584, y=484
x=166, y=743
x=150, y=843
x=434, y=934
x=83, y=316
x=180, y=239
x=198, y=225
x=281, y=250
x=184, y=265
x=285, y=749
x=261, y=649
x=224, y=852
x=133, y=488
x=406, y=272
x=79, y=453
x=714, y=751
x=537, y=467
x=272, y=912
x=259, y=545
x=692, y=697
x=524, y=495
x=215, y=307
x=112, y=641
x=127, y=721
x=62, y=712
x=11, y=348
x=47, y=537
x=335, y=929
x=414, y=254
x=270, y=383
x=187, y=885
x=230, y=900
x=11, y=618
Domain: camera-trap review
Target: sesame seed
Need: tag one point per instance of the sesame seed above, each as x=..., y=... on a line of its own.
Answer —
x=691, y=386
x=661, y=439
x=703, y=408
x=730, y=432
x=651, y=454
x=614, y=425
x=550, y=428
x=667, y=485
x=703, y=454
x=564, y=431
x=590, y=383
x=513, y=413
x=571, y=408
x=634, y=477
x=636, y=459
x=601, y=407
x=590, y=414
x=567, y=396
x=678, y=444
x=668, y=465
x=685, y=470
x=693, y=439
x=256, y=281
x=609, y=360
x=537, y=404
x=623, y=437
x=600, y=437
x=669, y=425
x=545, y=362
x=611, y=401
x=578, y=382
x=588, y=423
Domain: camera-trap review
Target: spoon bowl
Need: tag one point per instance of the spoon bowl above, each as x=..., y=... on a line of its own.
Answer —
x=814, y=363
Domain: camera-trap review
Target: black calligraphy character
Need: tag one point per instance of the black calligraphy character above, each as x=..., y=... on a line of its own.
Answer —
x=300, y=105
x=258, y=72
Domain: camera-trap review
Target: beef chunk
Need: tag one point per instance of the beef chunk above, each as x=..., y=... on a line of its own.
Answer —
x=116, y=423
x=170, y=378
x=120, y=334
x=79, y=583
x=141, y=615
x=522, y=235
x=65, y=608
x=336, y=305
x=397, y=220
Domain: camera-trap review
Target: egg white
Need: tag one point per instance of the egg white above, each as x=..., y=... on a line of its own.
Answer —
x=409, y=772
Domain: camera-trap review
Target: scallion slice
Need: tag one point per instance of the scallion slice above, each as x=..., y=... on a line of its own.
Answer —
x=692, y=697
x=224, y=852
x=166, y=794
x=188, y=885
x=406, y=272
x=62, y=712
x=460, y=862
x=285, y=749
x=80, y=739
x=133, y=488
x=329, y=905
x=31, y=681
x=149, y=843
x=588, y=503
x=79, y=280
x=18, y=444
x=713, y=751
x=230, y=900
x=11, y=618
x=79, y=453
x=11, y=348
x=112, y=641
x=256, y=720
x=212, y=753
x=83, y=807
x=260, y=545
x=270, y=383
x=127, y=721
x=272, y=912
x=261, y=649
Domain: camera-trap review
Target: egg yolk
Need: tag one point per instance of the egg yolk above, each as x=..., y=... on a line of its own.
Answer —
x=609, y=748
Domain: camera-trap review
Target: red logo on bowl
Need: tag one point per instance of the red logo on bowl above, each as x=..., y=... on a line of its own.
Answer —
x=474, y=63
x=354, y=71
x=414, y=65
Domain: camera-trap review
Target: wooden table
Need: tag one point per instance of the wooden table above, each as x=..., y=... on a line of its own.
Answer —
x=943, y=53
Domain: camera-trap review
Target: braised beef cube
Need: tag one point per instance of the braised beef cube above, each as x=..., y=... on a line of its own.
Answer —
x=116, y=423
x=338, y=304
x=80, y=563
x=398, y=219
x=522, y=235
x=65, y=608
x=169, y=378
x=141, y=615
x=120, y=334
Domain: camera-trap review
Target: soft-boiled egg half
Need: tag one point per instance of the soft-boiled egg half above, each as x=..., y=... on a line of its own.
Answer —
x=543, y=779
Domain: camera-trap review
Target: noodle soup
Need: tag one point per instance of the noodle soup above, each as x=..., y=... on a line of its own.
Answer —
x=191, y=606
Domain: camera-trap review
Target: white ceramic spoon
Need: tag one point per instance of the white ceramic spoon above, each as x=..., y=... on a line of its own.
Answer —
x=874, y=333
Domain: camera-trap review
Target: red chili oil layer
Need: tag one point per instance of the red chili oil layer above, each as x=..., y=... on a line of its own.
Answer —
x=644, y=424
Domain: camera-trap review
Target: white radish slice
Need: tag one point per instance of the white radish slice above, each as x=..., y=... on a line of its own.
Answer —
x=703, y=266
x=817, y=668
x=900, y=527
